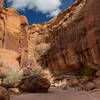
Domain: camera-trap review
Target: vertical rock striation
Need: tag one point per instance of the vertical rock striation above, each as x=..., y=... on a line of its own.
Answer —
x=64, y=44
x=75, y=38
x=13, y=32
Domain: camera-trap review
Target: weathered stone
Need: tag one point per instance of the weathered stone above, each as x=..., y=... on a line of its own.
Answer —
x=90, y=86
x=4, y=94
x=8, y=61
x=72, y=83
x=35, y=85
x=14, y=90
x=74, y=38
x=1, y=4
x=13, y=32
x=64, y=44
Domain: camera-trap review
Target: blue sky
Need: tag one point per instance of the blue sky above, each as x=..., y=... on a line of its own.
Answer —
x=39, y=11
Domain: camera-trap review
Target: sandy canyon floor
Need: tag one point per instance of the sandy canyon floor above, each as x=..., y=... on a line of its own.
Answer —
x=59, y=94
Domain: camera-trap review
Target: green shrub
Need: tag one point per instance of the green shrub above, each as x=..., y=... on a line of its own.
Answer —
x=12, y=75
x=52, y=75
x=87, y=71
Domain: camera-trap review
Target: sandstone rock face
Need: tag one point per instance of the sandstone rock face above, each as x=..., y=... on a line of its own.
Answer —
x=74, y=38
x=13, y=32
x=8, y=59
x=4, y=94
x=64, y=44
x=1, y=4
x=37, y=42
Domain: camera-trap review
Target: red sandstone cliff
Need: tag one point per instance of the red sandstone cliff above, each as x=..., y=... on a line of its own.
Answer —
x=64, y=44
x=74, y=38
x=13, y=33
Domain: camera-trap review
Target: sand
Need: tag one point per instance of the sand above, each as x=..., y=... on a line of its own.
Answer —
x=59, y=94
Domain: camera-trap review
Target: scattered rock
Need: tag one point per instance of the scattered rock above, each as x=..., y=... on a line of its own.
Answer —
x=14, y=90
x=90, y=86
x=72, y=83
x=84, y=80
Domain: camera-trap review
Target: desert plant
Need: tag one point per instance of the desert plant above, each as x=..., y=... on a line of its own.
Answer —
x=12, y=75
x=87, y=71
x=52, y=75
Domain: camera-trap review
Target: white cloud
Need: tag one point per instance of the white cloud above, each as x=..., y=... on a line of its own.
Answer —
x=50, y=7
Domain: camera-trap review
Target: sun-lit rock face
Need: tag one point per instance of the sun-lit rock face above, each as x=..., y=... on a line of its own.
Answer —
x=74, y=38
x=8, y=60
x=1, y=4
x=64, y=44
x=13, y=32
x=37, y=43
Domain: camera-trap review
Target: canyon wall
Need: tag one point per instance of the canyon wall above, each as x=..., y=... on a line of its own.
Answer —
x=13, y=33
x=74, y=37
x=65, y=44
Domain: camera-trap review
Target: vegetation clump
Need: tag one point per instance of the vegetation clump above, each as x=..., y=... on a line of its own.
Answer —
x=86, y=72
x=11, y=76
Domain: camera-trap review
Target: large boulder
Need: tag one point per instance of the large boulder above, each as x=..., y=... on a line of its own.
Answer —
x=34, y=85
x=4, y=94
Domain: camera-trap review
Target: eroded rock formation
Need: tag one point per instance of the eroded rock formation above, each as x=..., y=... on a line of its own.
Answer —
x=35, y=85
x=4, y=94
x=8, y=60
x=74, y=38
x=13, y=32
x=64, y=44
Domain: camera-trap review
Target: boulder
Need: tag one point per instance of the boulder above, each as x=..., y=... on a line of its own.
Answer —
x=73, y=83
x=90, y=86
x=4, y=94
x=34, y=85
